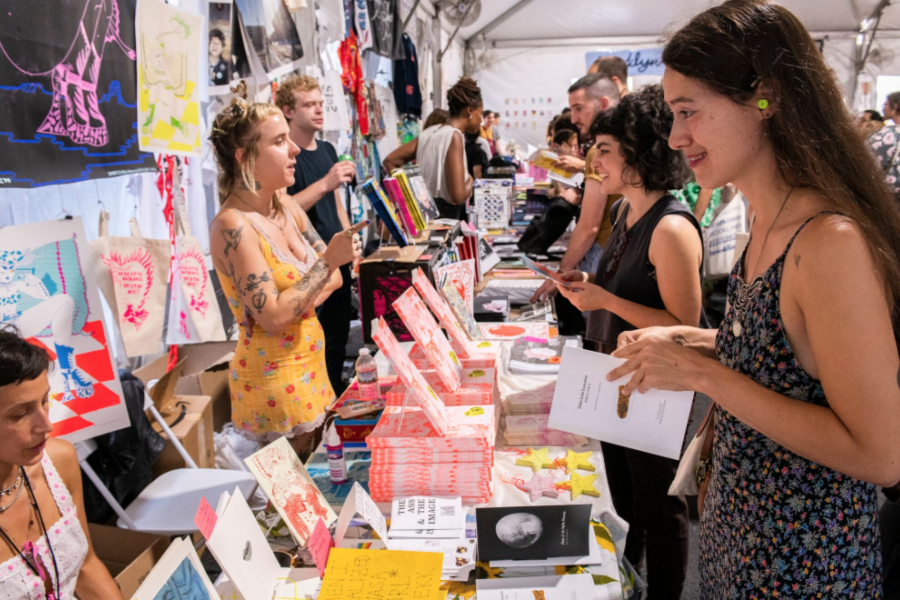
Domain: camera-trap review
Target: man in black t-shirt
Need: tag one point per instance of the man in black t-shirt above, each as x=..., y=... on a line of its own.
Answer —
x=318, y=175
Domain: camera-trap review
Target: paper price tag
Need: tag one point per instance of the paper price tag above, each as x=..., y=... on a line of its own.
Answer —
x=205, y=519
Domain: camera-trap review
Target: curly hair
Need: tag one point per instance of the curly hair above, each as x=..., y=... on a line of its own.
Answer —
x=284, y=95
x=465, y=94
x=237, y=127
x=641, y=123
x=20, y=361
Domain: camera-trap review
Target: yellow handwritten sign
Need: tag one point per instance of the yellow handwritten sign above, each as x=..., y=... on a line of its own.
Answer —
x=381, y=575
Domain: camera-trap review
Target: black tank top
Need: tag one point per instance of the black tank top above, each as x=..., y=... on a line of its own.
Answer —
x=625, y=269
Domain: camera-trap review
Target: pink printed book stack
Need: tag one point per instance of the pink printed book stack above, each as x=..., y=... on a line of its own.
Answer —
x=427, y=447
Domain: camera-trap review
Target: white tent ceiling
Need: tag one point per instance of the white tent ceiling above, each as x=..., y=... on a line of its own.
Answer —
x=549, y=20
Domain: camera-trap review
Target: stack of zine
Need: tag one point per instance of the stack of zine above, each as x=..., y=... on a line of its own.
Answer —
x=531, y=356
x=409, y=457
x=532, y=430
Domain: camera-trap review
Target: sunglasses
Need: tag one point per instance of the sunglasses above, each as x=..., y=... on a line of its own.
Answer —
x=618, y=250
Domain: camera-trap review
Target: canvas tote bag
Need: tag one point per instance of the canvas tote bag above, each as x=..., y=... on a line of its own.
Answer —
x=133, y=273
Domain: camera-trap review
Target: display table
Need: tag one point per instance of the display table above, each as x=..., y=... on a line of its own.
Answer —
x=610, y=528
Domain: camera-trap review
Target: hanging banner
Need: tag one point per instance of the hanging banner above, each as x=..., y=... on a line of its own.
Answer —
x=335, y=102
x=47, y=293
x=272, y=35
x=67, y=88
x=646, y=61
x=169, y=45
x=363, y=24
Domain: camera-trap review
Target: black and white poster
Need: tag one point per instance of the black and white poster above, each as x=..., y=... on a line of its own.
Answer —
x=533, y=532
x=68, y=92
x=272, y=35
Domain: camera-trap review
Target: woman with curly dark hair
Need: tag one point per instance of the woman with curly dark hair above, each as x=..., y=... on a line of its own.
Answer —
x=649, y=274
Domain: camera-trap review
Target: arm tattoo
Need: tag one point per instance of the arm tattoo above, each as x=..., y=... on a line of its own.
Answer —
x=259, y=301
x=258, y=297
x=797, y=260
x=310, y=287
x=232, y=239
x=313, y=238
x=254, y=281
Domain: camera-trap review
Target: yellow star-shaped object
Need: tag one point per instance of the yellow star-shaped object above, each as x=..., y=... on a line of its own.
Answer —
x=536, y=459
x=579, y=485
x=578, y=460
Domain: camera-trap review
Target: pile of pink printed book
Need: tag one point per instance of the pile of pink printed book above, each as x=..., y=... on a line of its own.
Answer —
x=437, y=434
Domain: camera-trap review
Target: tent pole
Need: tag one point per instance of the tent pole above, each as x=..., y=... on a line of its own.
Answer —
x=437, y=79
x=409, y=17
x=864, y=41
x=500, y=20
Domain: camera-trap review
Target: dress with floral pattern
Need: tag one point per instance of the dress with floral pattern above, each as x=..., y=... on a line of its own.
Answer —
x=884, y=145
x=279, y=384
x=774, y=524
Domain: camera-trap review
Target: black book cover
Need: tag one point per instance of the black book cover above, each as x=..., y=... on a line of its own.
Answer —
x=533, y=532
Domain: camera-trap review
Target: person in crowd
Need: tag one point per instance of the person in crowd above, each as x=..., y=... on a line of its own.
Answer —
x=803, y=370
x=648, y=276
x=487, y=129
x=891, y=107
x=441, y=150
x=318, y=176
x=476, y=157
x=45, y=548
x=495, y=128
x=218, y=66
x=870, y=121
x=588, y=96
x=885, y=144
x=615, y=68
x=274, y=278
x=565, y=143
x=407, y=152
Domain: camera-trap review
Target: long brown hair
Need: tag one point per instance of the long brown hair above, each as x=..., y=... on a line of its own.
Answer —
x=731, y=48
x=237, y=127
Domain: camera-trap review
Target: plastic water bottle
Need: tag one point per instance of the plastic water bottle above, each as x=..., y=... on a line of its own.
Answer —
x=367, y=376
x=337, y=464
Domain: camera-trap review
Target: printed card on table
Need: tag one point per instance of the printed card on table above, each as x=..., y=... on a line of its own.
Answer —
x=459, y=307
x=533, y=532
x=431, y=405
x=241, y=549
x=548, y=587
x=462, y=274
x=511, y=331
x=464, y=345
x=427, y=333
x=427, y=512
x=289, y=487
x=47, y=293
x=177, y=574
x=359, y=502
x=381, y=574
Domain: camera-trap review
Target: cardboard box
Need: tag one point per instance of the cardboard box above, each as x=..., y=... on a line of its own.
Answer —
x=192, y=423
x=129, y=555
x=204, y=373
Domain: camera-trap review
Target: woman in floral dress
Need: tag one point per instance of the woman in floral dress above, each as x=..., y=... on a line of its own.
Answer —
x=274, y=278
x=804, y=369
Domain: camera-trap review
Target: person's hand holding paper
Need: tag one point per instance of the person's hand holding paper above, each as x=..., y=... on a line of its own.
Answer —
x=660, y=364
x=583, y=295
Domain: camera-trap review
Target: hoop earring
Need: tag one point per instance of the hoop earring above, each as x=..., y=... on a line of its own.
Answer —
x=762, y=103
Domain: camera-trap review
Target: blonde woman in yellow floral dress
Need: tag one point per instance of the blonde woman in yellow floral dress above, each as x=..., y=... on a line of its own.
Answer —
x=274, y=271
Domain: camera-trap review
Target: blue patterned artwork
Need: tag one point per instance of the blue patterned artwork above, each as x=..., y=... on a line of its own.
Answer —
x=357, y=471
x=185, y=583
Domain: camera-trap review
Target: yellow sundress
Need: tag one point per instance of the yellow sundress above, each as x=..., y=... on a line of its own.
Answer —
x=279, y=384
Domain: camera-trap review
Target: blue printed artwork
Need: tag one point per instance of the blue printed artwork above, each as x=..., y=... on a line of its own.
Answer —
x=184, y=584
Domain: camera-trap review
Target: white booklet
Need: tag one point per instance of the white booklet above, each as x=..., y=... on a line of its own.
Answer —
x=550, y=587
x=587, y=404
x=426, y=512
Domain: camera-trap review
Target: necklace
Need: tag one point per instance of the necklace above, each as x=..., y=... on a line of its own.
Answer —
x=19, y=487
x=7, y=491
x=248, y=205
x=747, y=292
x=36, y=568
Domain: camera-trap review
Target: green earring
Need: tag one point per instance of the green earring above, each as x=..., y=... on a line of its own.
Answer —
x=763, y=104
